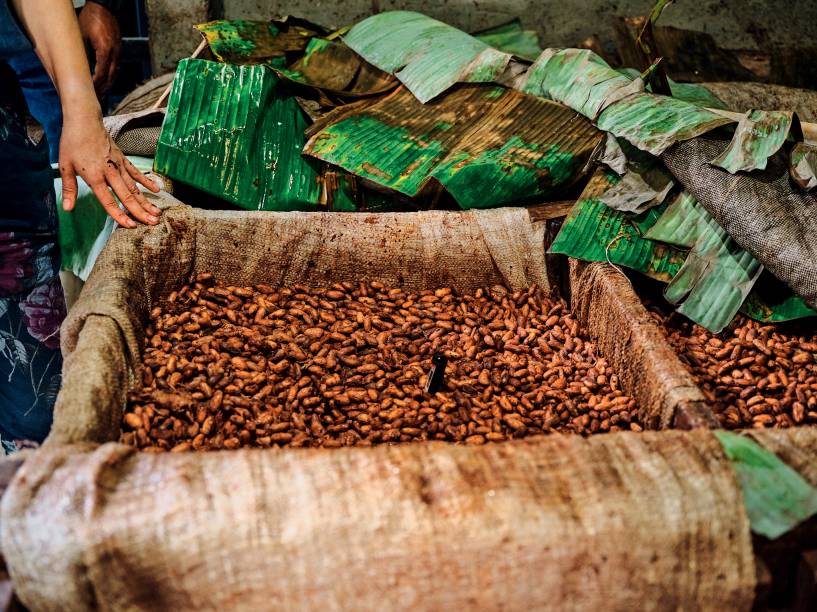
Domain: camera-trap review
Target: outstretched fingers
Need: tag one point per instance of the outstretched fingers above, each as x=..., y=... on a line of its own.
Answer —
x=130, y=196
x=133, y=188
x=108, y=202
x=140, y=178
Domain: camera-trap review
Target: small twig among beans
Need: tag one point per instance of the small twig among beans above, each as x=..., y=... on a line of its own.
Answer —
x=346, y=365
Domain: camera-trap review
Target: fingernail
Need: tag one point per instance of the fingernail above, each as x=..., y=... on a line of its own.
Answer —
x=153, y=219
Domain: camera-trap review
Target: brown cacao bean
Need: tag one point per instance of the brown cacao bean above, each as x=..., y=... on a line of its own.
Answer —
x=230, y=367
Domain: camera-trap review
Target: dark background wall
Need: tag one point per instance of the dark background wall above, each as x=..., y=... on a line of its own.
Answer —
x=735, y=24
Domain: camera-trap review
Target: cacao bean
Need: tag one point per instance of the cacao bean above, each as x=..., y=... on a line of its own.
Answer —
x=230, y=367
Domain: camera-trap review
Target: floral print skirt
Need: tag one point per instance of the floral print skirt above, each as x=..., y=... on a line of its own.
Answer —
x=32, y=305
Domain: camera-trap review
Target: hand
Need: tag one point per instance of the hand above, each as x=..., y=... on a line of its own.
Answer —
x=100, y=31
x=87, y=150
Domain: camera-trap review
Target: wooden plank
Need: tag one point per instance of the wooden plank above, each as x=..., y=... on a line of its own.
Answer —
x=694, y=415
x=613, y=316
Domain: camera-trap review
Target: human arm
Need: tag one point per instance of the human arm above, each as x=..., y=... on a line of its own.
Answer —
x=100, y=30
x=86, y=149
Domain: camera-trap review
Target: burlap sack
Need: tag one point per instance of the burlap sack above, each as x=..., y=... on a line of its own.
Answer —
x=797, y=447
x=619, y=522
x=616, y=320
x=145, y=96
x=136, y=133
x=102, y=336
x=762, y=211
x=743, y=96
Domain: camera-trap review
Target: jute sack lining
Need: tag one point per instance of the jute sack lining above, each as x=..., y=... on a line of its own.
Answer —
x=102, y=336
x=621, y=521
x=746, y=96
x=146, y=95
x=136, y=133
x=464, y=250
x=762, y=211
x=796, y=446
x=616, y=320
x=651, y=521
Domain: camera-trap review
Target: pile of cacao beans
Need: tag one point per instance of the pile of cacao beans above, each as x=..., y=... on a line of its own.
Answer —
x=753, y=374
x=226, y=367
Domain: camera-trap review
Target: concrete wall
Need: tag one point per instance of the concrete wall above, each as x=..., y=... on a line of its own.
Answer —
x=170, y=26
x=735, y=24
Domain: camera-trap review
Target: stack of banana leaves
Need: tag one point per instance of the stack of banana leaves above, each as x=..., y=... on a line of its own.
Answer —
x=291, y=117
x=401, y=112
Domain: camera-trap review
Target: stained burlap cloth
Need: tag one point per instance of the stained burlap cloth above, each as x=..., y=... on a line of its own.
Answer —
x=762, y=211
x=136, y=133
x=146, y=95
x=616, y=522
x=744, y=96
x=102, y=336
x=650, y=521
x=625, y=333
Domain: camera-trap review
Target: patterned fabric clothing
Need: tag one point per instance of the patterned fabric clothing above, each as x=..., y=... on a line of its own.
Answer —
x=32, y=305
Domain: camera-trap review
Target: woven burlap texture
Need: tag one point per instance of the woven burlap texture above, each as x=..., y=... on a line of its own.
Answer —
x=761, y=211
x=745, y=96
x=650, y=521
x=797, y=447
x=616, y=522
x=616, y=320
x=136, y=133
x=146, y=95
x=102, y=336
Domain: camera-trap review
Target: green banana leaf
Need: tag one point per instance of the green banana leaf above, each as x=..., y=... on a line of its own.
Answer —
x=511, y=37
x=428, y=56
x=594, y=232
x=775, y=496
x=234, y=132
x=465, y=141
